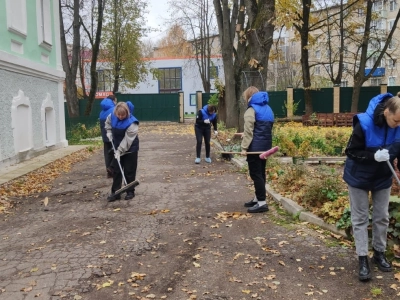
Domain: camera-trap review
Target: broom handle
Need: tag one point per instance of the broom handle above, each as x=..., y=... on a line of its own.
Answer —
x=119, y=164
x=393, y=172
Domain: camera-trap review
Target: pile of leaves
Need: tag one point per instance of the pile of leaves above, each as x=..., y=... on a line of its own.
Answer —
x=39, y=180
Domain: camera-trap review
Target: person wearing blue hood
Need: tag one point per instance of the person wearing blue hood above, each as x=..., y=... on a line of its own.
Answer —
x=107, y=106
x=122, y=128
x=204, y=118
x=373, y=145
x=257, y=137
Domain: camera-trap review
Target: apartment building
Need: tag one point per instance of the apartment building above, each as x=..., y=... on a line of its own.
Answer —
x=325, y=48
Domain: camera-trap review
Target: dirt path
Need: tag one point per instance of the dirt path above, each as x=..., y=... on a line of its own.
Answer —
x=184, y=236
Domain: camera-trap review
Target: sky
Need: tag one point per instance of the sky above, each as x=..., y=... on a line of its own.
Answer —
x=157, y=17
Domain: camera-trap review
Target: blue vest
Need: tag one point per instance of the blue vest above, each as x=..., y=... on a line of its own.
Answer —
x=373, y=175
x=206, y=115
x=118, y=131
x=264, y=116
x=107, y=107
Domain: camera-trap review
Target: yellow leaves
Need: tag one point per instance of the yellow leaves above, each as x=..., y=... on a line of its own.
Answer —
x=137, y=276
x=397, y=276
x=105, y=284
x=196, y=265
x=40, y=180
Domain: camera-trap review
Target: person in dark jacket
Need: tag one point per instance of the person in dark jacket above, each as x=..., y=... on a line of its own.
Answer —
x=257, y=137
x=122, y=128
x=205, y=117
x=107, y=107
x=373, y=144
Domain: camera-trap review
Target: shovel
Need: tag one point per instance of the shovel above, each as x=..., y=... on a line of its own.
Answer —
x=127, y=186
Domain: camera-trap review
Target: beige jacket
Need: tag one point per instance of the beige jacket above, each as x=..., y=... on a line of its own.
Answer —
x=249, y=120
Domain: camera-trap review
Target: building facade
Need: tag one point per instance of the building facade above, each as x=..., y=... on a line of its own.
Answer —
x=31, y=80
x=324, y=49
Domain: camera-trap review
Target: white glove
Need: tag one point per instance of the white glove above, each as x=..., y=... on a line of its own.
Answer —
x=109, y=136
x=117, y=155
x=382, y=155
x=215, y=132
x=207, y=121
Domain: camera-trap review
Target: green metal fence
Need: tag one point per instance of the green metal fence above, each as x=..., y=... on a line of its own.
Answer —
x=154, y=107
x=277, y=102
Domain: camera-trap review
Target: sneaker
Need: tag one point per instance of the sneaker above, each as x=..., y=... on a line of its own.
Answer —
x=208, y=160
x=197, y=160
x=113, y=197
x=258, y=209
x=129, y=195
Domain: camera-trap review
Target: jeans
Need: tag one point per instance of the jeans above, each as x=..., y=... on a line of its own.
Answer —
x=359, y=205
x=200, y=133
x=257, y=174
x=129, y=165
x=108, y=154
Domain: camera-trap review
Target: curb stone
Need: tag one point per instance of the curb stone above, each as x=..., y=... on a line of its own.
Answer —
x=291, y=206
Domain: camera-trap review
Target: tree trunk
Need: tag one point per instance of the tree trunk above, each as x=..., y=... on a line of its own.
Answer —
x=226, y=27
x=358, y=82
x=71, y=69
x=95, y=54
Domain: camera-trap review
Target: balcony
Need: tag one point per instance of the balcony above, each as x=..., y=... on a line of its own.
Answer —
x=379, y=72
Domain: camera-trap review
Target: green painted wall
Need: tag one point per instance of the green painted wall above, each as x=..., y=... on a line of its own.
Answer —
x=32, y=50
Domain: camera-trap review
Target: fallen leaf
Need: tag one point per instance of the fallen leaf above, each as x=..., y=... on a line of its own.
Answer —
x=46, y=201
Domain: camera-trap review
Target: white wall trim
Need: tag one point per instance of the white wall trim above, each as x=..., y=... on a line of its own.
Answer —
x=48, y=121
x=23, y=66
x=21, y=124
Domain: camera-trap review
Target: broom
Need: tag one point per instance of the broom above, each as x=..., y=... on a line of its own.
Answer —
x=127, y=186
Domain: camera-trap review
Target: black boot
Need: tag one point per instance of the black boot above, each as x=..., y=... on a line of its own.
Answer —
x=364, y=272
x=381, y=261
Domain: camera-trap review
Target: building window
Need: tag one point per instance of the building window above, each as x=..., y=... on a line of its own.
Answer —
x=345, y=66
x=377, y=6
x=317, y=70
x=16, y=17
x=391, y=63
x=193, y=100
x=391, y=23
x=104, y=80
x=344, y=83
x=213, y=72
x=318, y=54
x=44, y=23
x=391, y=81
x=392, y=5
x=376, y=81
x=170, y=80
x=360, y=12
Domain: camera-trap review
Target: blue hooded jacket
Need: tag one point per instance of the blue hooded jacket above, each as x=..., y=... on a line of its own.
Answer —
x=373, y=175
x=206, y=115
x=107, y=107
x=262, y=134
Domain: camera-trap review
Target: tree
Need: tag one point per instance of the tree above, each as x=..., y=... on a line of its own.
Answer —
x=122, y=46
x=372, y=48
x=70, y=69
x=174, y=44
x=197, y=18
x=94, y=36
x=252, y=21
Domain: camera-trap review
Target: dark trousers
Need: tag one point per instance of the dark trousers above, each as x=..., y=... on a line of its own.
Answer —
x=200, y=133
x=108, y=154
x=257, y=174
x=129, y=165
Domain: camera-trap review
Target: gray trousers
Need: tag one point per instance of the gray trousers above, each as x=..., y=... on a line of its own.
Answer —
x=359, y=205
